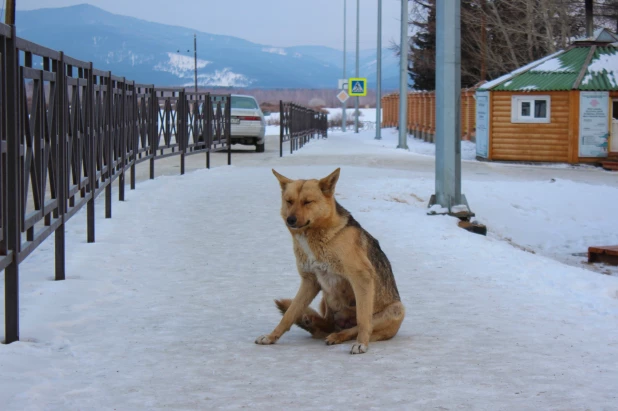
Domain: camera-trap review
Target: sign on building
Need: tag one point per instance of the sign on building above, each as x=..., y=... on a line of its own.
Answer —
x=593, y=123
x=482, y=124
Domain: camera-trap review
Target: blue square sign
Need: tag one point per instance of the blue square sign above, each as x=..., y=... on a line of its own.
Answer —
x=357, y=87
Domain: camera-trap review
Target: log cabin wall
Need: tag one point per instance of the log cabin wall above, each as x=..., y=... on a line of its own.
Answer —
x=546, y=142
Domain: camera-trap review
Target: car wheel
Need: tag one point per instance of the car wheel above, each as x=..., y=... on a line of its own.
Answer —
x=259, y=148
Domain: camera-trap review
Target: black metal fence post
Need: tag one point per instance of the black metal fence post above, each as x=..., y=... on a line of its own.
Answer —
x=61, y=167
x=91, y=144
x=291, y=127
x=123, y=139
x=281, y=125
x=208, y=127
x=181, y=127
x=13, y=241
x=133, y=132
x=153, y=133
x=109, y=104
x=228, y=128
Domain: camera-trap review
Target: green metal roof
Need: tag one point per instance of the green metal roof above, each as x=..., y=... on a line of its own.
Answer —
x=602, y=72
x=586, y=65
x=558, y=73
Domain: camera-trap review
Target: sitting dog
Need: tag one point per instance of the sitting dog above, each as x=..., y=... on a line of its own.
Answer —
x=335, y=255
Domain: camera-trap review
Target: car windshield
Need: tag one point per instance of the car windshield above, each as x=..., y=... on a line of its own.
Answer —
x=243, y=102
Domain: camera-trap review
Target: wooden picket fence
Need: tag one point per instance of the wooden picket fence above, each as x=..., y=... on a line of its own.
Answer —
x=422, y=113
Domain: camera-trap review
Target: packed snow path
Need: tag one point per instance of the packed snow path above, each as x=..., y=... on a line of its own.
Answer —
x=162, y=311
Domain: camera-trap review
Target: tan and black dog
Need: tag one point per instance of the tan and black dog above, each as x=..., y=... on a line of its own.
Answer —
x=336, y=255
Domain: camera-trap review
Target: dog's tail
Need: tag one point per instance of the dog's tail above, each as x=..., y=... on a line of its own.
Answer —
x=283, y=304
x=310, y=321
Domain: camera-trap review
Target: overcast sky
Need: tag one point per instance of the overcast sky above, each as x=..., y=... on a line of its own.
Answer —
x=271, y=22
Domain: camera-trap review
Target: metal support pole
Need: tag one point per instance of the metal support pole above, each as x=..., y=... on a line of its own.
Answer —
x=589, y=18
x=379, y=76
x=195, y=59
x=344, y=105
x=403, y=78
x=357, y=57
x=448, y=95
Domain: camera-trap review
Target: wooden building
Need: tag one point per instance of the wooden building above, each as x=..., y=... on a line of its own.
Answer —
x=562, y=108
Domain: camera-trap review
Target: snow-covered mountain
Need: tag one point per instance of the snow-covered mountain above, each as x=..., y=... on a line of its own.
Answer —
x=154, y=53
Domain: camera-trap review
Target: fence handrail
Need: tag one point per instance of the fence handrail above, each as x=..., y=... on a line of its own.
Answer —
x=69, y=131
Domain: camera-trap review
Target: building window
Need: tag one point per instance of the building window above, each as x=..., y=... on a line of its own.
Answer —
x=530, y=109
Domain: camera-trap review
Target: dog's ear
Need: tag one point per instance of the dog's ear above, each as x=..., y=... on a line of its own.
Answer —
x=283, y=181
x=327, y=184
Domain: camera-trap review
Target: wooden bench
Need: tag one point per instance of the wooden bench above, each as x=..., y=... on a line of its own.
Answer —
x=605, y=254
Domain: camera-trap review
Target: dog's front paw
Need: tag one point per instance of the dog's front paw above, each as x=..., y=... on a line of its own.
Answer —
x=264, y=340
x=359, y=348
x=333, y=339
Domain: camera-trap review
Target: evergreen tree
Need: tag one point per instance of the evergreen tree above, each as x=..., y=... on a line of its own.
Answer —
x=422, y=70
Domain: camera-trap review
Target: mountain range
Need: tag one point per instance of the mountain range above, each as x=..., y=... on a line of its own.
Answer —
x=154, y=53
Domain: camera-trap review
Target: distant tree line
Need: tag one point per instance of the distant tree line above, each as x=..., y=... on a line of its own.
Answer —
x=498, y=36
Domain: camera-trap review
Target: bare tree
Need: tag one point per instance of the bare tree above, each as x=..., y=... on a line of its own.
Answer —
x=499, y=36
x=607, y=13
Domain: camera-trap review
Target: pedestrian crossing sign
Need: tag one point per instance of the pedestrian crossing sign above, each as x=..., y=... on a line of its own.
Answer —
x=357, y=87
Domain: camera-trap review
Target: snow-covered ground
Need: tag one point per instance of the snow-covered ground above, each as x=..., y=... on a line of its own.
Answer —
x=468, y=148
x=554, y=217
x=162, y=311
x=367, y=116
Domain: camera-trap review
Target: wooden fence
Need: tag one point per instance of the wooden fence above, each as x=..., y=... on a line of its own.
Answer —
x=68, y=131
x=422, y=114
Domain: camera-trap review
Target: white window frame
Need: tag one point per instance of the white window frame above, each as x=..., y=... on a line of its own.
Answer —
x=516, y=102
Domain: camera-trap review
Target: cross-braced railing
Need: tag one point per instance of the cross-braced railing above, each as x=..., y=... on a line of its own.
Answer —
x=298, y=125
x=68, y=131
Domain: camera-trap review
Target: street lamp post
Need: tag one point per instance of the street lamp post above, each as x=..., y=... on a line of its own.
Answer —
x=403, y=78
x=344, y=105
x=448, y=129
x=379, y=76
x=357, y=68
x=194, y=60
